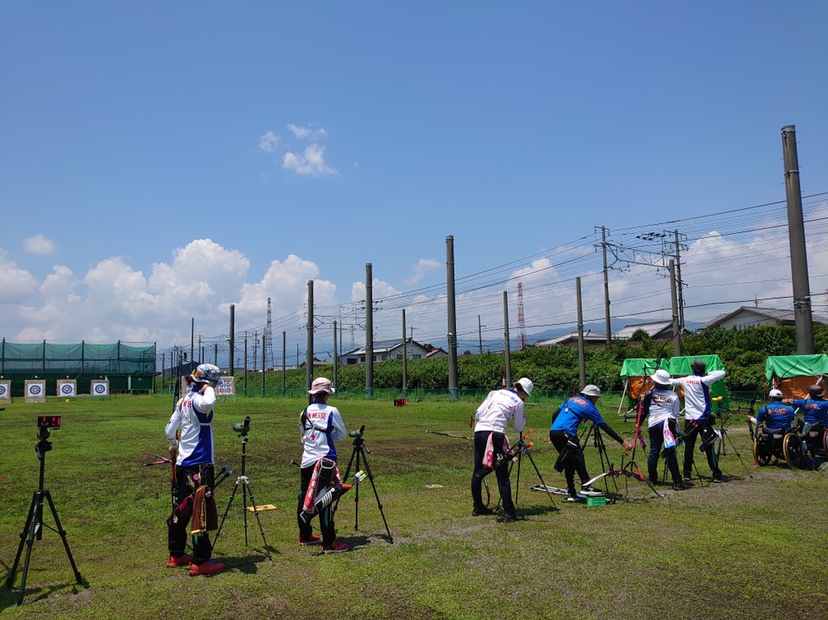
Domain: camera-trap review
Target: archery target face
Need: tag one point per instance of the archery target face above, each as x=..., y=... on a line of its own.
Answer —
x=3, y=390
x=66, y=389
x=100, y=388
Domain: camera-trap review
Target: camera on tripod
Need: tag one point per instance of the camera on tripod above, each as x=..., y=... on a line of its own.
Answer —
x=242, y=428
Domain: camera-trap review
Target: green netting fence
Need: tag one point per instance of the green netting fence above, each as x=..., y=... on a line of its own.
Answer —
x=129, y=368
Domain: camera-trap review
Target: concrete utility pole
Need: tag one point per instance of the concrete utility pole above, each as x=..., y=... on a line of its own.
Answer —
x=507, y=357
x=369, y=331
x=335, y=360
x=284, y=363
x=405, y=358
x=231, y=367
x=309, y=352
x=796, y=234
x=581, y=356
x=674, y=300
x=452, y=319
x=679, y=284
x=607, y=319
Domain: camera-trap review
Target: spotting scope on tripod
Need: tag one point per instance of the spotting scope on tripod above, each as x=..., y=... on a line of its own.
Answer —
x=359, y=460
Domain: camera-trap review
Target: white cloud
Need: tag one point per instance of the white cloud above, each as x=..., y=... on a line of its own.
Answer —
x=38, y=244
x=268, y=142
x=423, y=266
x=309, y=163
x=306, y=132
x=16, y=284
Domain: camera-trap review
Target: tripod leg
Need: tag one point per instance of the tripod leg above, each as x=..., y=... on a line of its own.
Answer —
x=226, y=510
x=26, y=538
x=245, y=488
x=376, y=495
x=62, y=534
x=537, y=471
x=258, y=520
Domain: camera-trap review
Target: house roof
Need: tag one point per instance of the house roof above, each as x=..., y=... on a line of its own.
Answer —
x=786, y=317
x=383, y=346
x=651, y=329
x=589, y=335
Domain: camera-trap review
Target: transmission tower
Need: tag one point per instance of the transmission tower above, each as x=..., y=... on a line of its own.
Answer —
x=269, y=337
x=521, y=339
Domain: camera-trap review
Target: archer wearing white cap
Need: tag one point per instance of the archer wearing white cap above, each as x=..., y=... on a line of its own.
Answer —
x=492, y=417
x=564, y=436
x=320, y=425
x=661, y=406
x=776, y=415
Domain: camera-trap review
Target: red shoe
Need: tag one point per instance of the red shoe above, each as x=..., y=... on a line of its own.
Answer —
x=336, y=547
x=208, y=568
x=310, y=540
x=178, y=561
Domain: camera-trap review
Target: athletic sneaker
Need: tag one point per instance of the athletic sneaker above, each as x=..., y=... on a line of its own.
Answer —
x=573, y=497
x=178, y=561
x=679, y=485
x=208, y=568
x=336, y=547
x=482, y=510
x=588, y=489
x=310, y=540
x=512, y=517
x=719, y=479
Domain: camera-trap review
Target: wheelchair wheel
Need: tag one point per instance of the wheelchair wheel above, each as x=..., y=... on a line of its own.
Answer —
x=761, y=455
x=792, y=450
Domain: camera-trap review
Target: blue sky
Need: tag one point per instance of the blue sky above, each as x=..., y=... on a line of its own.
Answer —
x=160, y=161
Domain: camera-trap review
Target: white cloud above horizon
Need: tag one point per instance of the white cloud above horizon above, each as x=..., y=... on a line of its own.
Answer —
x=39, y=244
x=423, y=266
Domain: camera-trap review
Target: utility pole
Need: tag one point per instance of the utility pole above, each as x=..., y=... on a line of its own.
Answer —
x=232, y=368
x=799, y=258
x=479, y=335
x=405, y=358
x=674, y=300
x=679, y=282
x=452, y=318
x=607, y=320
x=581, y=355
x=309, y=352
x=369, y=330
x=507, y=357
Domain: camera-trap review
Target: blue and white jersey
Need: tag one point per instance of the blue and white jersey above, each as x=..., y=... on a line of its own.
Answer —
x=320, y=425
x=776, y=416
x=193, y=416
x=815, y=411
x=574, y=411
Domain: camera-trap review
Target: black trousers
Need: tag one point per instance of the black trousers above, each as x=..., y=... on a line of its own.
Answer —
x=504, y=485
x=575, y=462
x=692, y=429
x=177, y=522
x=656, y=442
x=326, y=520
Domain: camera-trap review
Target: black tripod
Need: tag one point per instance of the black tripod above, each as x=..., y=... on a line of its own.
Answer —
x=34, y=522
x=359, y=457
x=244, y=482
x=523, y=448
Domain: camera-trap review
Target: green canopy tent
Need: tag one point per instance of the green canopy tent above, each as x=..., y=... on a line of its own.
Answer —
x=680, y=367
x=635, y=372
x=792, y=374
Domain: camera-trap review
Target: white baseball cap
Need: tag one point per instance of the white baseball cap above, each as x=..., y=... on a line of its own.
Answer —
x=661, y=376
x=591, y=390
x=775, y=393
x=526, y=385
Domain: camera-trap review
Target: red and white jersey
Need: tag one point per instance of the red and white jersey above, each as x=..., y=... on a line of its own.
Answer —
x=499, y=407
x=320, y=426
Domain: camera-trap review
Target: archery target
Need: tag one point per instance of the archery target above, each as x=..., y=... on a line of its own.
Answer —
x=5, y=391
x=100, y=388
x=35, y=391
x=226, y=387
x=66, y=389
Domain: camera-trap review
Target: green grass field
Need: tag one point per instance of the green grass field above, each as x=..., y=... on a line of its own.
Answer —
x=746, y=549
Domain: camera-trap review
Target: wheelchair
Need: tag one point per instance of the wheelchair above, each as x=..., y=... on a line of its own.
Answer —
x=781, y=445
x=815, y=439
